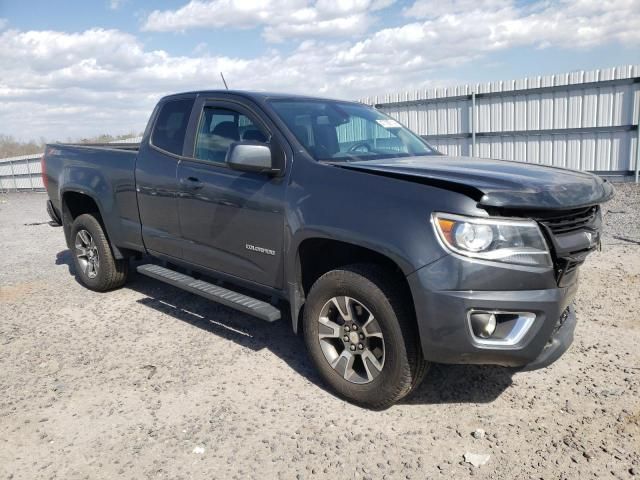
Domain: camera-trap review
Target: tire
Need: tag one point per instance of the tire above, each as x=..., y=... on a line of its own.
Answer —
x=370, y=293
x=95, y=266
x=55, y=220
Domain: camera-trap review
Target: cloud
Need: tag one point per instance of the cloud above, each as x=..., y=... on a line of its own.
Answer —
x=58, y=84
x=3, y=23
x=505, y=24
x=438, y=8
x=280, y=19
x=116, y=4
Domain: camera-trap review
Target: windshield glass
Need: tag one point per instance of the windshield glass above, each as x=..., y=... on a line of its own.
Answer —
x=342, y=131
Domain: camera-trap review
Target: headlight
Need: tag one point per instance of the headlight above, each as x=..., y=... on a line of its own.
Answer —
x=510, y=241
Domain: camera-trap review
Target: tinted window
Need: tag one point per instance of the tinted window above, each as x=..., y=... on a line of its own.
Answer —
x=339, y=131
x=219, y=128
x=169, y=130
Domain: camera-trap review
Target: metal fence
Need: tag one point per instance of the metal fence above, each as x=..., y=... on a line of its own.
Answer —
x=24, y=171
x=21, y=173
x=580, y=120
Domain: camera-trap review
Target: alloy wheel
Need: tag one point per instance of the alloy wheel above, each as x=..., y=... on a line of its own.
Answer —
x=351, y=339
x=87, y=253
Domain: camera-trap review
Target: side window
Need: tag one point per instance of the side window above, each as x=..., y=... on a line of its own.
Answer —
x=170, y=128
x=219, y=128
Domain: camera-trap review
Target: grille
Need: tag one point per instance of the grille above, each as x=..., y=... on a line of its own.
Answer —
x=569, y=221
x=569, y=256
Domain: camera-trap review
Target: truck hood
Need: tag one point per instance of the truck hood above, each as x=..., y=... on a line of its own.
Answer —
x=496, y=183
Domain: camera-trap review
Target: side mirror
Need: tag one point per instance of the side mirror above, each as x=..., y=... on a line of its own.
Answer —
x=249, y=156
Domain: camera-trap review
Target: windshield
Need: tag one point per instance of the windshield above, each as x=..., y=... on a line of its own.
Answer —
x=342, y=131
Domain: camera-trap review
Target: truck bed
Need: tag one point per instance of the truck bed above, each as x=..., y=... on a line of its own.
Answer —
x=106, y=173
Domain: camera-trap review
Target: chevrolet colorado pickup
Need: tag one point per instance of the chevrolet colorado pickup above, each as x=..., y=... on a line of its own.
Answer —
x=385, y=254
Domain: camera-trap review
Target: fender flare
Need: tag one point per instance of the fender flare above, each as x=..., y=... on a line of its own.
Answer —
x=117, y=253
x=295, y=292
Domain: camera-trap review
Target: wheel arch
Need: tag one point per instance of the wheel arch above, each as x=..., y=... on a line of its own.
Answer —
x=318, y=255
x=76, y=202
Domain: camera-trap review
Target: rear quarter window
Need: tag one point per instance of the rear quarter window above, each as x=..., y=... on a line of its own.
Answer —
x=171, y=126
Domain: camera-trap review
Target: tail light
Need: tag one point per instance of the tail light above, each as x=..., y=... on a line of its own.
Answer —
x=43, y=169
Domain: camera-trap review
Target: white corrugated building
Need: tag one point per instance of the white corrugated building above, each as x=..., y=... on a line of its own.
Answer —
x=586, y=120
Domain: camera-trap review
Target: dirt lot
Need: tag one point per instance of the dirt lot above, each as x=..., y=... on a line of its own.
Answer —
x=151, y=382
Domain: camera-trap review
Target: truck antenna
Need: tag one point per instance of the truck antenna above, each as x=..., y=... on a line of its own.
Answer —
x=224, y=81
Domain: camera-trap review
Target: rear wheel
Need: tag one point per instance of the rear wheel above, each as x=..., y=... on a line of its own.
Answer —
x=95, y=265
x=361, y=335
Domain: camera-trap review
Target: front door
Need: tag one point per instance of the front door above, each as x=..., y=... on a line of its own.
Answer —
x=231, y=221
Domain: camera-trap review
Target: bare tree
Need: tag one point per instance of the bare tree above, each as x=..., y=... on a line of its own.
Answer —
x=10, y=146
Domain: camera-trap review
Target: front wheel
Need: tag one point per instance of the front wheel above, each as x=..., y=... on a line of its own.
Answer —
x=361, y=335
x=95, y=265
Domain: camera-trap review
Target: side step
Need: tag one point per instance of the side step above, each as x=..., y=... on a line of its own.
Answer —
x=252, y=306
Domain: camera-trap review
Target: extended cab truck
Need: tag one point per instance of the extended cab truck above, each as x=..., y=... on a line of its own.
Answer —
x=386, y=254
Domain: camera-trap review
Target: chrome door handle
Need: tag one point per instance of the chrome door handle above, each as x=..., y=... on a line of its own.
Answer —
x=191, y=183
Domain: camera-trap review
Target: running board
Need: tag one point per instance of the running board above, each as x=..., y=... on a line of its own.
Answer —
x=257, y=308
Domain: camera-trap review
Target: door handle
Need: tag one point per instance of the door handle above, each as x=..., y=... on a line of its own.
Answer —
x=191, y=183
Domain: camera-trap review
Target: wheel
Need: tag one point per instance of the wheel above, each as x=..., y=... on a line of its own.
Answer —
x=95, y=265
x=361, y=335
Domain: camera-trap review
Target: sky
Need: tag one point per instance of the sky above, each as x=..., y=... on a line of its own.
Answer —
x=77, y=68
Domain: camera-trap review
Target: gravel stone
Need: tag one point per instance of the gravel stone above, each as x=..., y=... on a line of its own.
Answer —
x=477, y=459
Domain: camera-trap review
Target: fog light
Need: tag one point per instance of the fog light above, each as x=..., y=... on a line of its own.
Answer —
x=483, y=324
x=499, y=329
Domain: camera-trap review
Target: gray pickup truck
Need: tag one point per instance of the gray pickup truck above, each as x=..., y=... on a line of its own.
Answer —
x=385, y=254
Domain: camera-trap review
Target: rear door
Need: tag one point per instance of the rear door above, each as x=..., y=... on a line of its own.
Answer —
x=156, y=182
x=231, y=221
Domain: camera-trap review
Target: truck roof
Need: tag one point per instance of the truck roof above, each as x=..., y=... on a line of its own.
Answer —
x=256, y=95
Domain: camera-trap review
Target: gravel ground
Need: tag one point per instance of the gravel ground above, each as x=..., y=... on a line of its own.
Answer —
x=151, y=382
